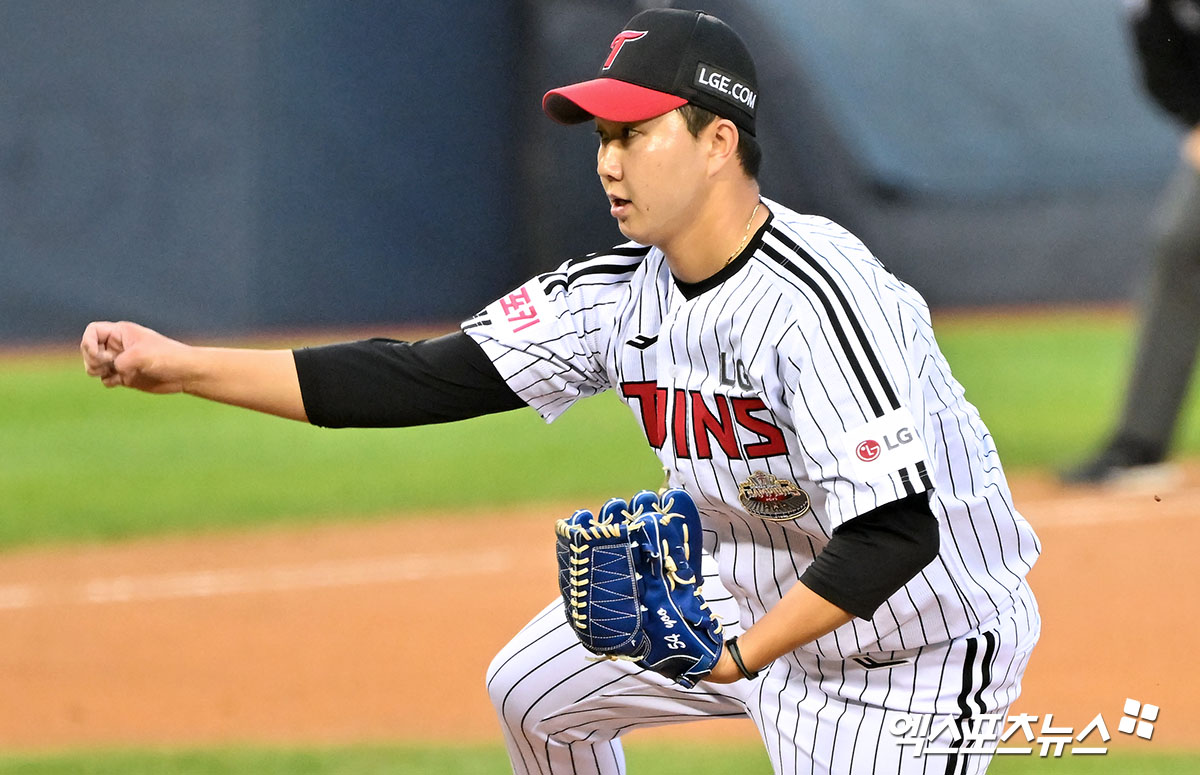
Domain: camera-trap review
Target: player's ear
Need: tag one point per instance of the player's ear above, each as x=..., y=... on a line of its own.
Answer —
x=723, y=142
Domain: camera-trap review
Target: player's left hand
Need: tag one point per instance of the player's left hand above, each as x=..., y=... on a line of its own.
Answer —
x=630, y=580
x=725, y=671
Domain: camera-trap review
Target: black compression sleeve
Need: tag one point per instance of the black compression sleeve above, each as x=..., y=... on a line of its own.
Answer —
x=383, y=383
x=873, y=555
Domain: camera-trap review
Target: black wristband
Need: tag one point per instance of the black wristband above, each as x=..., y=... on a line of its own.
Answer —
x=736, y=653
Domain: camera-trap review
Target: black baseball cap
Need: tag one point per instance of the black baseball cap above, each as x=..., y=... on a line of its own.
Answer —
x=662, y=60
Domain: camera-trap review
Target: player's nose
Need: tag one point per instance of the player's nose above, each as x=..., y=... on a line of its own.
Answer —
x=608, y=163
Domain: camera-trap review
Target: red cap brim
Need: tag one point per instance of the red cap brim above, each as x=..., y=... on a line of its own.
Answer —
x=609, y=99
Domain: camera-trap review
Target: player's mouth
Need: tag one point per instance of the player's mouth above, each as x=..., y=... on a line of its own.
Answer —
x=618, y=207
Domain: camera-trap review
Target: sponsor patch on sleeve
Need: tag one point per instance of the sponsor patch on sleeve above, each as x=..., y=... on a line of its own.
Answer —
x=520, y=310
x=884, y=445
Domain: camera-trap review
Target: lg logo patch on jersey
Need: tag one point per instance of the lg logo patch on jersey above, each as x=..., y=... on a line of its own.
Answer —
x=885, y=445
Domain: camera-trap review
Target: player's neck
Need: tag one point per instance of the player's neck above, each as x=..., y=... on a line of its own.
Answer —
x=718, y=234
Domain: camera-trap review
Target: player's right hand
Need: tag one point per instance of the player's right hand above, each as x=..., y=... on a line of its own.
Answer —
x=134, y=356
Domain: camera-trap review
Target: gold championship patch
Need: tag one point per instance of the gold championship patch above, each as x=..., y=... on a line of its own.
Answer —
x=769, y=497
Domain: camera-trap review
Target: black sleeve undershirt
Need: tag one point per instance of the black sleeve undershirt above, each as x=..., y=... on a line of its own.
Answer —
x=384, y=383
x=871, y=556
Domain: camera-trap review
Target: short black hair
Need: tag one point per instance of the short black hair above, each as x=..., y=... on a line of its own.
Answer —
x=748, y=150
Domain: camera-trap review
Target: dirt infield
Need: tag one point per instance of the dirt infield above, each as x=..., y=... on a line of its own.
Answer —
x=382, y=632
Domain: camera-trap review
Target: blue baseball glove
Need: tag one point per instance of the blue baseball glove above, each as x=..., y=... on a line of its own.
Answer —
x=630, y=578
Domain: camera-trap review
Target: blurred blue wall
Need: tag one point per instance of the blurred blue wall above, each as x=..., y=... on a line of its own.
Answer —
x=225, y=165
x=231, y=164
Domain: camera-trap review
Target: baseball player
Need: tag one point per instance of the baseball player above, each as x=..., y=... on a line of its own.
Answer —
x=864, y=547
x=1166, y=37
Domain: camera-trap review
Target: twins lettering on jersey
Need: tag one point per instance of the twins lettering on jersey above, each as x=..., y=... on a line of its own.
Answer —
x=740, y=425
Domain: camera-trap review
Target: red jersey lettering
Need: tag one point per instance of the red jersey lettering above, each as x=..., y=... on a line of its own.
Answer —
x=772, y=442
x=705, y=423
x=679, y=423
x=652, y=401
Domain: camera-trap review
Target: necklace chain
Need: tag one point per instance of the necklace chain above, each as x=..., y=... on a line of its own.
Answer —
x=745, y=238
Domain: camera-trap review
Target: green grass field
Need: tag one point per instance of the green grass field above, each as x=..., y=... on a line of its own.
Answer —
x=87, y=463
x=81, y=463
x=731, y=759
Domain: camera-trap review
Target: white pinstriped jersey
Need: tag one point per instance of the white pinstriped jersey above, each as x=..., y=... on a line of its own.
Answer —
x=801, y=391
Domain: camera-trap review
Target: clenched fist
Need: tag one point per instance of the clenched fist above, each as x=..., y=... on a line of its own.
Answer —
x=134, y=356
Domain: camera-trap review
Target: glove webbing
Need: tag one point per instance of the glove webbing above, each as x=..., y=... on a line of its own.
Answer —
x=578, y=575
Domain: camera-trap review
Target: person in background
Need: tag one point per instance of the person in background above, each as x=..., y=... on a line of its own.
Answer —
x=1166, y=34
